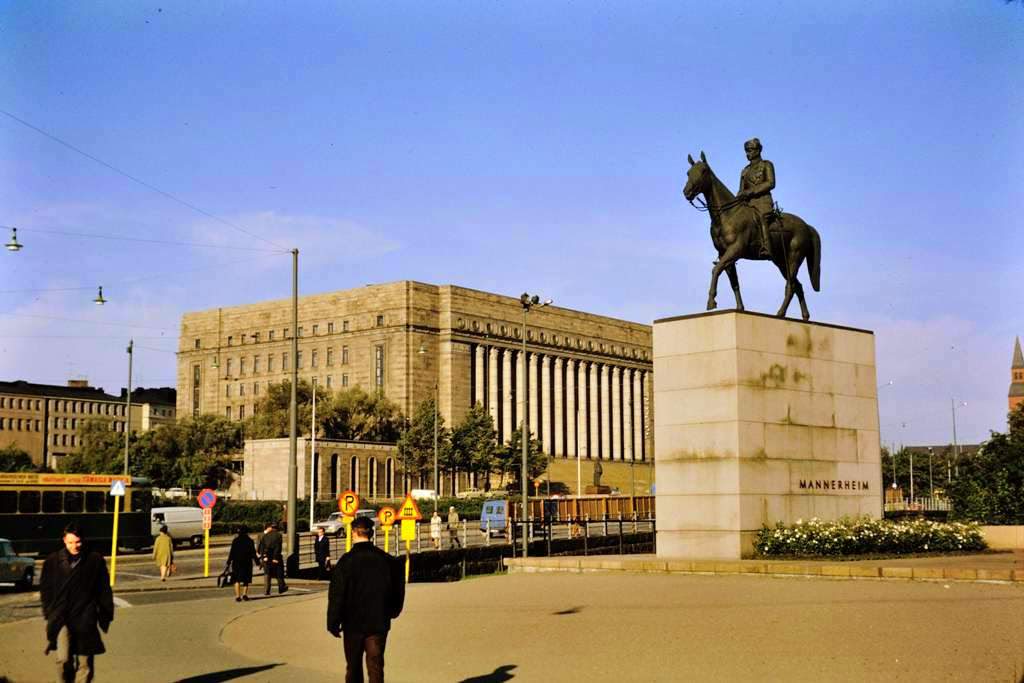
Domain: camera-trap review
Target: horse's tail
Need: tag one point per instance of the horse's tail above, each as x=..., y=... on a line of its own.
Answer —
x=814, y=259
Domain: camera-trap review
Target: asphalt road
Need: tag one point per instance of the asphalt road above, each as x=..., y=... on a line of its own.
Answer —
x=576, y=627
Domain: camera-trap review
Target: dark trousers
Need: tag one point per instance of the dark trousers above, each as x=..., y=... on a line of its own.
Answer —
x=271, y=569
x=373, y=645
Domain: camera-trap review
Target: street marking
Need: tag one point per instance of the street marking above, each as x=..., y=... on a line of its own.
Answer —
x=121, y=602
x=143, y=576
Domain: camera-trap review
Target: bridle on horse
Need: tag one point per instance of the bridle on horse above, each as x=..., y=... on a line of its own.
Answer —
x=724, y=207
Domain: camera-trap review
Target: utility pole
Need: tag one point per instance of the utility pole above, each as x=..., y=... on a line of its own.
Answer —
x=956, y=446
x=128, y=405
x=312, y=460
x=292, y=546
x=437, y=490
x=527, y=302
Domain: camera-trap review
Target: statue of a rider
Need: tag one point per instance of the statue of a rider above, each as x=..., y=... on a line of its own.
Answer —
x=756, y=184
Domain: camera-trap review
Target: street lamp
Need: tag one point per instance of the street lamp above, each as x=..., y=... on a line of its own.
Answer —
x=128, y=400
x=437, y=491
x=13, y=245
x=527, y=303
x=956, y=447
x=99, y=300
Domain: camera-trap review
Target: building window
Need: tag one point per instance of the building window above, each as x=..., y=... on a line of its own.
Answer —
x=378, y=367
x=227, y=391
x=314, y=358
x=300, y=332
x=255, y=388
x=298, y=359
x=330, y=328
x=344, y=380
x=330, y=356
x=227, y=368
x=256, y=337
x=230, y=339
x=344, y=355
x=380, y=321
x=255, y=365
x=284, y=361
x=241, y=412
x=270, y=363
x=285, y=334
x=241, y=366
x=241, y=389
x=227, y=412
x=344, y=326
x=315, y=329
x=270, y=335
x=197, y=342
x=328, y=381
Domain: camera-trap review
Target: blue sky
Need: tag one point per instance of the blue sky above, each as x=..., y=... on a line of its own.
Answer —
x=533, y=146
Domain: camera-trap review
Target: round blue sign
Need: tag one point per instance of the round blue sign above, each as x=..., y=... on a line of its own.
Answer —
x=207, y=498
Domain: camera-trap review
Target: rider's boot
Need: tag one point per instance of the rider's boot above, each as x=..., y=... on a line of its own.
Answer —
x=765, y=236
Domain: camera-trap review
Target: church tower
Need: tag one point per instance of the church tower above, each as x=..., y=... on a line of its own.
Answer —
x=1016, y=396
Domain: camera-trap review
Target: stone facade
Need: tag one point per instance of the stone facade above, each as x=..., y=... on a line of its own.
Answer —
x=589, y=377
x=760, y=420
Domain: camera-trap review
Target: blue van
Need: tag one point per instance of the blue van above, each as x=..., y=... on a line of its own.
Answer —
x=494, y=517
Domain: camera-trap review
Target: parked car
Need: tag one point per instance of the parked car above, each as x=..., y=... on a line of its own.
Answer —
x=183, y=524
x=15, y=569
x=334, y=524
x=175, y=492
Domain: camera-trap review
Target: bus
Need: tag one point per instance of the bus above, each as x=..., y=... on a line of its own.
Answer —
x=35, y=508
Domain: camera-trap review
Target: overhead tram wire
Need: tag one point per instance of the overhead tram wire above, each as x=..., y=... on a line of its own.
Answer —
x=88, y=322
x=89, y=235
x=134, y=179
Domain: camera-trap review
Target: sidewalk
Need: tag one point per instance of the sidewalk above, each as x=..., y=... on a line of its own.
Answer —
x=1005, y=567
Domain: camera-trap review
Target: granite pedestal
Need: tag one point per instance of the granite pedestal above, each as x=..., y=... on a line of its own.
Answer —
x=760, y=420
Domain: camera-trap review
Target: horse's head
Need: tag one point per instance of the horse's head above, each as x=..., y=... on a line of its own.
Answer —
x=698, y=178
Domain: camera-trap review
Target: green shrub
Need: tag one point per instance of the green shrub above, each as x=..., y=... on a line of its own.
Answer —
x=864, y=535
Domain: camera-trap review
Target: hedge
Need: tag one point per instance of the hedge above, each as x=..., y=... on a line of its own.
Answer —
x=866, y=536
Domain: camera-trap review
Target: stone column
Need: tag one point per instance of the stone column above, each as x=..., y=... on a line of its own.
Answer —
x=559, y=412
x=478, y=371
x=571, y=415
x=545, y=403
x=604, y=401
x=534, y=395
x=492, y=383
x=616, y=421
x=505, y=430
x=628, y=410
x=592, y=413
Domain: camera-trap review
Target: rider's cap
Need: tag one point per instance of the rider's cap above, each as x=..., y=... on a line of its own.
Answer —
x=752, y=142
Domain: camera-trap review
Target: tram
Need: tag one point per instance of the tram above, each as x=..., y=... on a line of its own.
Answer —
x=35, y=508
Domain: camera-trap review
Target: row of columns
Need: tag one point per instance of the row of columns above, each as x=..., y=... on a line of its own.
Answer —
x=577, y=407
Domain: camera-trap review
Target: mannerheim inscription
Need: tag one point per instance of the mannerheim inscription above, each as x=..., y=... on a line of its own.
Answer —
x=834, y=485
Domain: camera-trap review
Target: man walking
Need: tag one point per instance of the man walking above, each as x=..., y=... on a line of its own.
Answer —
x=74, y=589
x=270, y=556
x=322, y=552
x=367, y=591
x=453, y=528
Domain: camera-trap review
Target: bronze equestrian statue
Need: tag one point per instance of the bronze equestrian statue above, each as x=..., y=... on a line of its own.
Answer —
x=747, y=226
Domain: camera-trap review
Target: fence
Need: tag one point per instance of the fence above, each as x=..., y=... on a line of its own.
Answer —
x=929, y=504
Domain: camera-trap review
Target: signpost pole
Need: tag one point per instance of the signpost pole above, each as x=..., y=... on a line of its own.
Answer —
x=348, y=532
x=387, y=533
x=207, y=499
x=113, y=542
x=206, y=554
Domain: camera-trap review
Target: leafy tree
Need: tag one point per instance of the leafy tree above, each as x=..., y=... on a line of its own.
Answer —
x=475, y=443
x=940, y=458
x=14, y=459
x=990, y=487
x=416, y=444
x=510, y=457
x=272, y=419
x=101, y=450
x=355, y=415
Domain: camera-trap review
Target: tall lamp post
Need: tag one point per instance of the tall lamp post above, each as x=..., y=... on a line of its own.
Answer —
x=956, y=447
x=527, y=303
x=128, y=405
x=292, y=547
x=437, y=491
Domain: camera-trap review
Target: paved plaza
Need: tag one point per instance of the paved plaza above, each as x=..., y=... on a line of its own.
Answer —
x=574, y=627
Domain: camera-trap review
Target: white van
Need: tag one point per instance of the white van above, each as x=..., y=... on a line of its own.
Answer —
x=183, y=524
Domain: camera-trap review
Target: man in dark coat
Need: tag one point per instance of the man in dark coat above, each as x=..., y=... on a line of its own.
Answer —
x=322, y=551
x=273, y=561
x=367, y=591
x=77, y=601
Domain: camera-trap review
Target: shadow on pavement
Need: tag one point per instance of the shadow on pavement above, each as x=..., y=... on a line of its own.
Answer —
x=571, y=610
x=502, y=673
x=230, y=674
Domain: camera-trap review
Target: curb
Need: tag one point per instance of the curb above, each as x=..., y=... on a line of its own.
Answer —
x=755, y=568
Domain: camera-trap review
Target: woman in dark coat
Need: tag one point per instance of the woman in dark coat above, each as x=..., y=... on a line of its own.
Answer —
x=240, y=563
x=77, y=602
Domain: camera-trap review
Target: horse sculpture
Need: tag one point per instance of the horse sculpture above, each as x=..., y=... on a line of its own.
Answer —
x=735, y=234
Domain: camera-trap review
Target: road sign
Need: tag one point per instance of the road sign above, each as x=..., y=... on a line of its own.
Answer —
x=348, y=503
x=117, y=488
x=408, y=532
x=207, y=498
x=207, y=518
x=387, y=515
x=409, y=510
